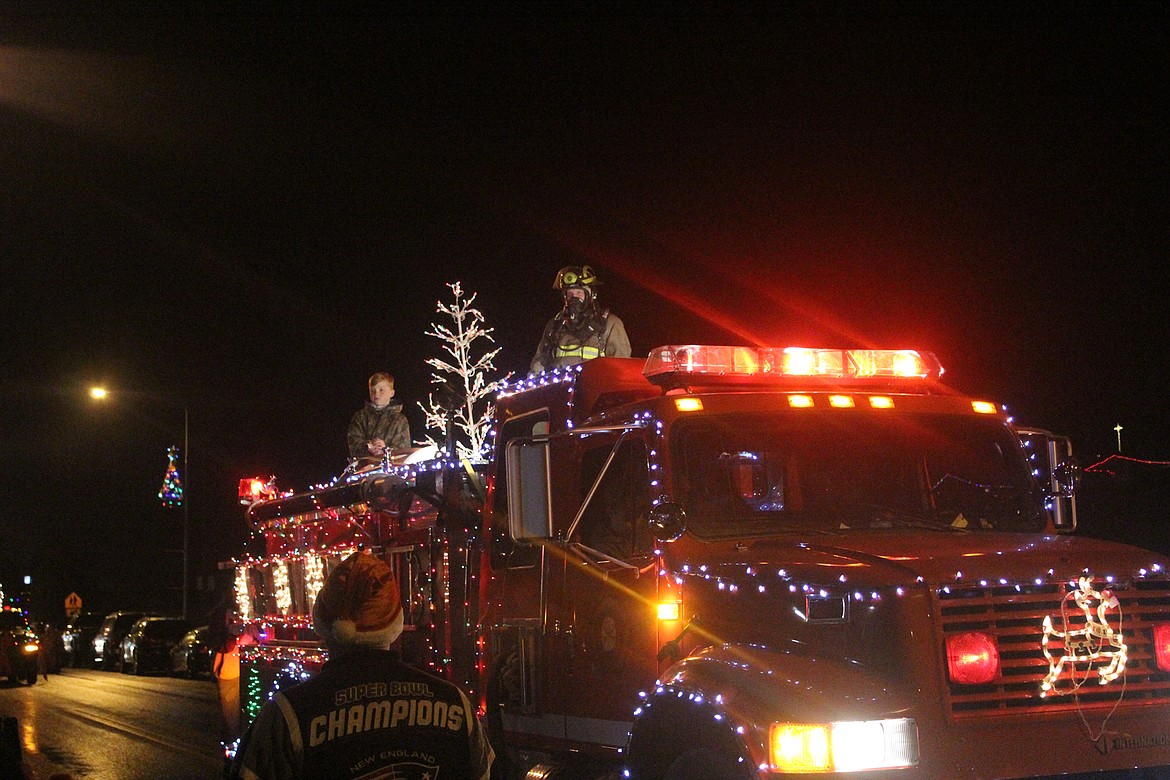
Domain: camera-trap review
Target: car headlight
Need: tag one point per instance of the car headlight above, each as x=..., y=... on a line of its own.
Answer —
x=30, y=647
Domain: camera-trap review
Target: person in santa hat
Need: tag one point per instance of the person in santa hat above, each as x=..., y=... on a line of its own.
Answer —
x=366, y=714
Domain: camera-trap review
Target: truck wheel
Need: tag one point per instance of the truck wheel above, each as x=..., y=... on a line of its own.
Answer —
x=675, y=740
x=702, y=764
x=30, y=676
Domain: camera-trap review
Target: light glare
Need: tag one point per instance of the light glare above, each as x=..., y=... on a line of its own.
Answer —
x=668, y=610
x=858, y=745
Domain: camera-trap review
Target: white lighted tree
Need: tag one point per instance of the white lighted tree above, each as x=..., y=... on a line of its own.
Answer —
x=465, y=381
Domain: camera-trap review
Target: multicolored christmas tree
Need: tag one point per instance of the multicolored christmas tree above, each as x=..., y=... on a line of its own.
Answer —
x=171, y=493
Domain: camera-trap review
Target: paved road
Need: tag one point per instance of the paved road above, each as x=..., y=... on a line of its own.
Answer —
x=95, y=725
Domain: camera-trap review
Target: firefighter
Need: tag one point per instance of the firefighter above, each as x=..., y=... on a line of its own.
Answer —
x=366, y=712
x=582, y=329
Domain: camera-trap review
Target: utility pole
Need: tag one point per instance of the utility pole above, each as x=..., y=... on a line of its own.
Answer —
x=186, y=505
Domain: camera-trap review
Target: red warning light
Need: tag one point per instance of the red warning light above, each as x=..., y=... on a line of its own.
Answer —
x=253, y=489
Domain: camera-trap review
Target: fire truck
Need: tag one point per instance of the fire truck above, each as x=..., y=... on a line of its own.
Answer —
x=742, y=562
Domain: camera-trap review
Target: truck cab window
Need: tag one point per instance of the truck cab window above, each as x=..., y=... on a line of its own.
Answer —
x=779, y=473
x=614, y=523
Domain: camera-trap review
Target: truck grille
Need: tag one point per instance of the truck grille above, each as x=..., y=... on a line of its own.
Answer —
x=1015, y=612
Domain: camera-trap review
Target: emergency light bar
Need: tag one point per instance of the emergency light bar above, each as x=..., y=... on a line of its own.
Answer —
x=700, y=360
x=254, y=489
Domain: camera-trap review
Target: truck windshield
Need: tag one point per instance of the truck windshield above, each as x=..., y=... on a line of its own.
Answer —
x=754, y=474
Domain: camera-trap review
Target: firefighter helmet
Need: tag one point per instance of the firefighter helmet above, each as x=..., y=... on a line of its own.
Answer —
x=575, y=276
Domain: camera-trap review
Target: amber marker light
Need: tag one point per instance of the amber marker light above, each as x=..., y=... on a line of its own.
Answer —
x=669, y=610
x=983, y=407
x=800, y=401
x=841, y=401
x=799, y=747
x=688, y=404
x=881, y=402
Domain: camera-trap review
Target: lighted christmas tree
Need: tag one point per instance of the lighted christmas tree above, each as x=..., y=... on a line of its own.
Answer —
x=171, y=493
x=464, y=377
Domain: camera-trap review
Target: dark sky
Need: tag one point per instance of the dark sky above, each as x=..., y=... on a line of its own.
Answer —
x=245, y=215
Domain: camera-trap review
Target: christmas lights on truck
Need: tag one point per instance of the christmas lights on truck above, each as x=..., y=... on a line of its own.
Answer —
x=731, y=562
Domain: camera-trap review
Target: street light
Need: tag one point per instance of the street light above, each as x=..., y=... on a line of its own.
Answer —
x=101, y=394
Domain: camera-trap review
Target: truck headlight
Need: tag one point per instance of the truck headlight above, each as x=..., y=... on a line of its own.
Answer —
x=843, y=746
x=31, y=647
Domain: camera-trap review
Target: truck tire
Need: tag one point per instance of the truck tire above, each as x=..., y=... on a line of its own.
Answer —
x=704, y=764
x=677, y=740
x=30, y=675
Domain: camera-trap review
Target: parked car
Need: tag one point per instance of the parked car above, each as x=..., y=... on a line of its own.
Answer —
x=108, y=640
x=77, y=638
x=194, y=655
x=20, y=650
x=147, y=647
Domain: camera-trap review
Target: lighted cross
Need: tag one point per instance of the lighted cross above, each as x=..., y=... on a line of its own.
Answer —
x=1118, y=429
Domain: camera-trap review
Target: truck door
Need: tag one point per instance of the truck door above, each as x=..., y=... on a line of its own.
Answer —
x=601, y=585
x=514, y=605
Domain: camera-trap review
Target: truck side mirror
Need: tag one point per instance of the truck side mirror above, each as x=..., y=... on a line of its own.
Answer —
x=667, y=521
x=1063, y=476
x=1067, y=476
x=529, y=506
x=1051, y=459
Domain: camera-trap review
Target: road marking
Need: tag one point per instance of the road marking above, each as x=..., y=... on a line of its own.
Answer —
x=127, y=730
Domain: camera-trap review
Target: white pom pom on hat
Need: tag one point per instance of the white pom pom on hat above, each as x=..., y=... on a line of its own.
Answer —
x=360, y=604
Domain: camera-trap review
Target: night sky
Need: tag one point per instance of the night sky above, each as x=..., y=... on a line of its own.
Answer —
x=244, y=216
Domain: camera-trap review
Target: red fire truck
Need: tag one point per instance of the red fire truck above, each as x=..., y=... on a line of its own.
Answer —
x=731, y=562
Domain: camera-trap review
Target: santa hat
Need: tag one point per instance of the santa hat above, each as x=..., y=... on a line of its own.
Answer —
x=359, y=604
